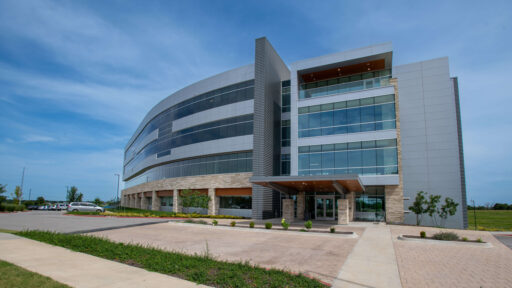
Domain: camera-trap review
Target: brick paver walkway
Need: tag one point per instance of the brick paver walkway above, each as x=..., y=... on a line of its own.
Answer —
x=446, y=265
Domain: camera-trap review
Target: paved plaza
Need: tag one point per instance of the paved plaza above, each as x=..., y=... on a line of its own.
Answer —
x=59, y=222
x=374, y=257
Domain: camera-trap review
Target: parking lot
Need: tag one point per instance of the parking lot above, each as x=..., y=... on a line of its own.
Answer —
x=59, y=222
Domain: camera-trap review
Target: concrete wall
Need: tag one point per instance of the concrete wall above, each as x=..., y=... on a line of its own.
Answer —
x=431, y=154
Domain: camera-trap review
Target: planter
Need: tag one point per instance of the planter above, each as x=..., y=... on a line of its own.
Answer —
x=449, y=242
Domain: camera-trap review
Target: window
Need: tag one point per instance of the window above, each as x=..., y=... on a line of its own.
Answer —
x=235, y=202
x=353, y=116
x=366, y=158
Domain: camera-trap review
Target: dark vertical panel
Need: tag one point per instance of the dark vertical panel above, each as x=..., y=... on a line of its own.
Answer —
x=269, y=71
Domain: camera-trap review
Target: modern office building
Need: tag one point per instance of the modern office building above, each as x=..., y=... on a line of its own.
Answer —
x=345, y=136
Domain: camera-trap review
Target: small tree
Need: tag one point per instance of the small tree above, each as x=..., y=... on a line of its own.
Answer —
x=40, y=200
x=448, y=208
x=97, y=201
x=419, y=206
x=17, y=195
x=73, y=195
x=431, y=208
x=2, y=191
x=192, y=198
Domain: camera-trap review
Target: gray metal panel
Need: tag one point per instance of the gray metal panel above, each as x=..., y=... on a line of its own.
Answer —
x=431, y=154
x=269, y=71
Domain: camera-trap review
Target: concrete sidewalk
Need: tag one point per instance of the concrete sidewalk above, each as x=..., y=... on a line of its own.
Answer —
x=372, y=263
x=77, y=269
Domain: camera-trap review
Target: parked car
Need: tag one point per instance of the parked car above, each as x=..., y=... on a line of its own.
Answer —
x=61, y=206
x=32, y=207
x=84, y=207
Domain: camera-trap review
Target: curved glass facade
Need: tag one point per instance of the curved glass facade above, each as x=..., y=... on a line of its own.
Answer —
x=168, y=139
x=217, y=164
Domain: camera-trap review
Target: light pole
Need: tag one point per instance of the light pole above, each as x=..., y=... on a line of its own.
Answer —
x=118, y=176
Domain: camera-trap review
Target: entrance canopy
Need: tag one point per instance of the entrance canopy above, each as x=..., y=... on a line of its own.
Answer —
x=291, y=185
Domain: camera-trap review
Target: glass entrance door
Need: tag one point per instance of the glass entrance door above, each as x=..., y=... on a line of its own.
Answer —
x=324, y=207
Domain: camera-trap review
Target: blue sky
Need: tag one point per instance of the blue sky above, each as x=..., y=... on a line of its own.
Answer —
x=77, y=77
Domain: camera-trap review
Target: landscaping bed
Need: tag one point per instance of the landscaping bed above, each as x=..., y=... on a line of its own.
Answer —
x=445, y=237
x=131, y=212
x=202, y=269
x=267, y=227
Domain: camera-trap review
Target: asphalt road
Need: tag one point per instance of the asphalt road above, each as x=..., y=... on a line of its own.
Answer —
x=59, y=222
x=505, y=238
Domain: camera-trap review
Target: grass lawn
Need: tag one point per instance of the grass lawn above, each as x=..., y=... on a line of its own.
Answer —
x=14, y=276
x=132, y=212
x=200, y=269
x=490, y=220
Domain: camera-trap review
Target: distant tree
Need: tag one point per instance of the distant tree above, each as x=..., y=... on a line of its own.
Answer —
x=448, y=208
x=98, y=201
x=502, y=206
x=40, y=200
x=419, y=206
x=2, y=191
x=16, y=196
x=73, y=195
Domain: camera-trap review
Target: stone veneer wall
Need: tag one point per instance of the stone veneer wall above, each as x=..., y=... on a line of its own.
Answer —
x=133, y=196
x=394, y=193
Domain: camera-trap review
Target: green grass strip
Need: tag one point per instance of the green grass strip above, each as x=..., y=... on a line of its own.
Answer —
x=200, y=269
x=15, y=276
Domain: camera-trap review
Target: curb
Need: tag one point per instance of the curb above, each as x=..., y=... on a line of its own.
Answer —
x=260, y=230
x=434, y=241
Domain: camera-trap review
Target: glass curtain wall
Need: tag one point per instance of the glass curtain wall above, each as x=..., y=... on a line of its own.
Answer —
x=359, y=115
x=217, y=164
x=371, y=206
x=139, y=150
x=345, y=84
x=365, y=158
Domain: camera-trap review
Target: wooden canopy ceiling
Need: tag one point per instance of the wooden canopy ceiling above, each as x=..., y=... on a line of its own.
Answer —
x=295, y=184
x=344, y=71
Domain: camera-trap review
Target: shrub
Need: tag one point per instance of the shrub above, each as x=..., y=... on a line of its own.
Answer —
x=233, y=223
x=308, y=224
x=268, y=225
x=196, y=221
x=332, y=229
x=479, y=240
x=251, y=224
x=464, y=239
x=285, y=224
x=423, y=234
x=215, y=222
x=11, y=207
x=447, y=236
x=303, y=230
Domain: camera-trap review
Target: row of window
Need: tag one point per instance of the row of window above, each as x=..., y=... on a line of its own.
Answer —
x=225, y=128
x=227, y=95
x=345, y=84
x=226, y=163
x=365, y=158
x=339, y=119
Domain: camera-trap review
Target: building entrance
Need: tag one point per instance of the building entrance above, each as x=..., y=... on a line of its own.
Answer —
x=324, y=207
